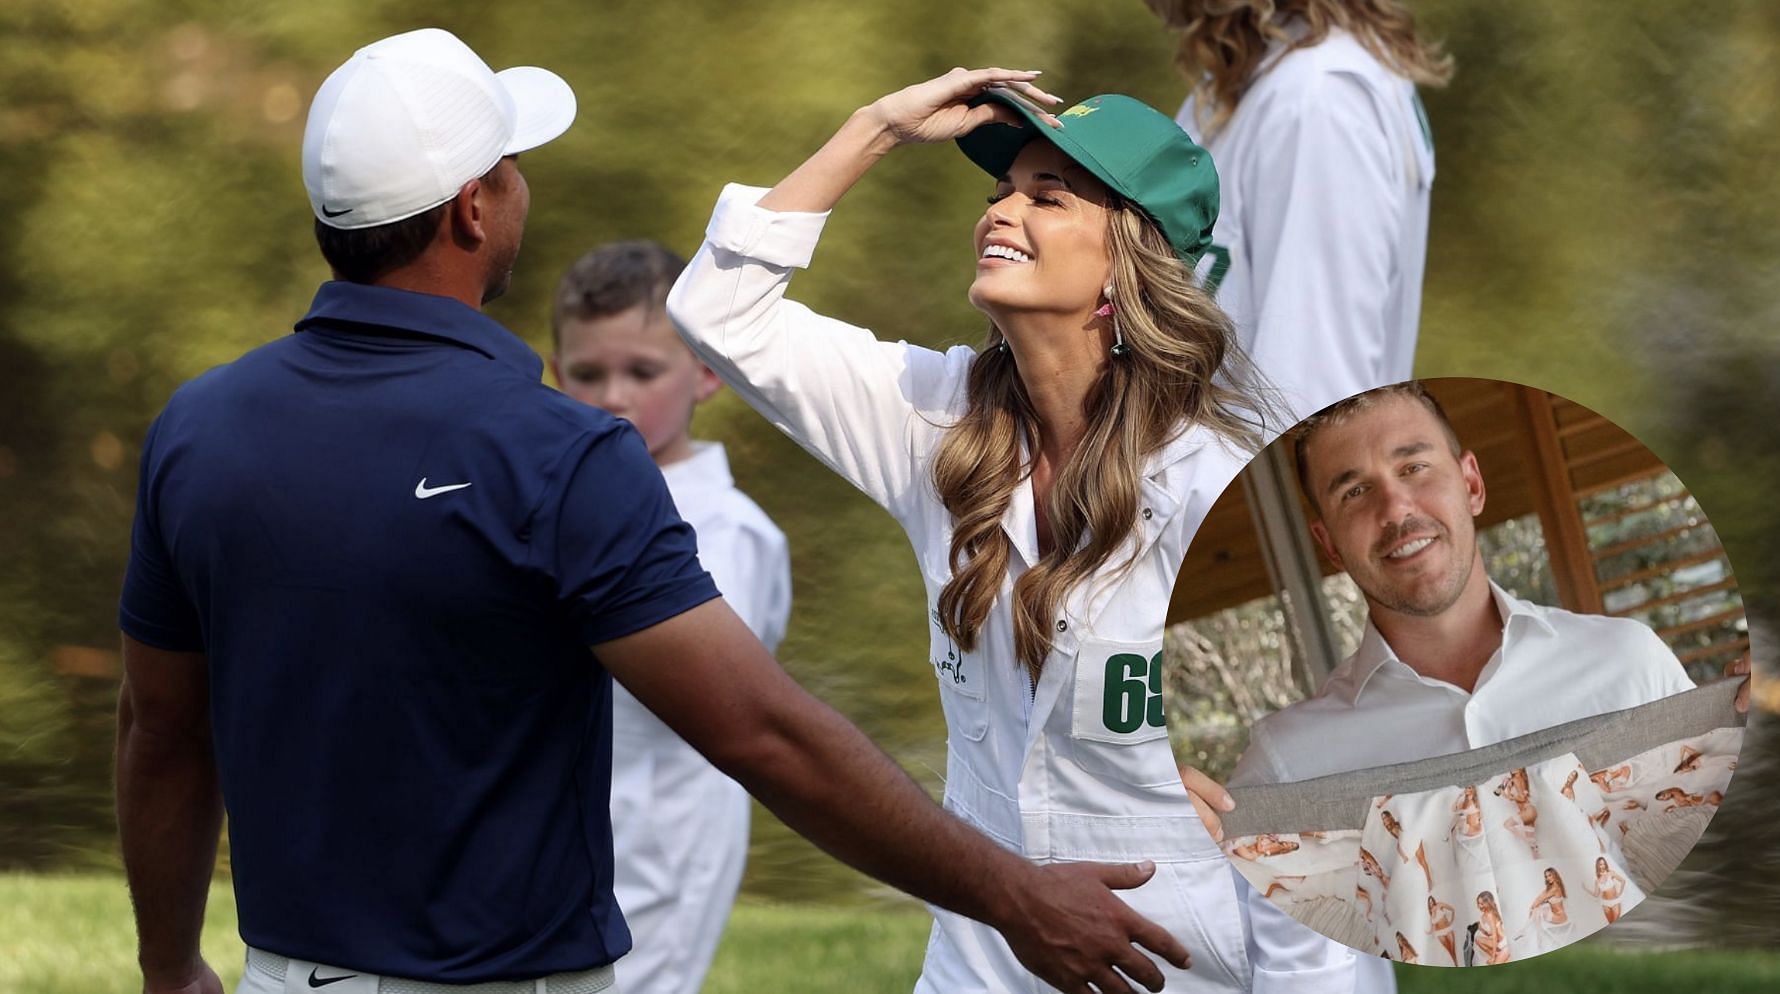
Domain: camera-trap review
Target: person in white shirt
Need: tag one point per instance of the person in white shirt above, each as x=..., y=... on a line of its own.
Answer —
x=1326, y=162
x=679, y=826
x=1449, y=660
x=1049, y=483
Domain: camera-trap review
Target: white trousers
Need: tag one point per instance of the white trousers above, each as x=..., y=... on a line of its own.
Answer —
x=1196, y=900
x=680, y=840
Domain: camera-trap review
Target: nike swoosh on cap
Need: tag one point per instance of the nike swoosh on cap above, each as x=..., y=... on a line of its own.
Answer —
x=423, y=491
x=328, y=213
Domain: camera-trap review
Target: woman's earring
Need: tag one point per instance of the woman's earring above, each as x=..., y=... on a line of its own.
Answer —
x=1107, y=310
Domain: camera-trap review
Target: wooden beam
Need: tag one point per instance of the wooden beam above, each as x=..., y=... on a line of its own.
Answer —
x=1626, y=512
x=1665, y=568
x=1634, y=544
x=1728, y=614
x=1566, y=541
x=1728, y=583
x=1293, y=565
x=1715, y=649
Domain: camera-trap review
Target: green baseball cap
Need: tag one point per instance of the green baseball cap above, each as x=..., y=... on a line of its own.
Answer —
x=1130, y=146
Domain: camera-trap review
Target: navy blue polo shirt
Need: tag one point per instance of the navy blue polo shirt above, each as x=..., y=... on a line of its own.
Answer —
x=394, y=545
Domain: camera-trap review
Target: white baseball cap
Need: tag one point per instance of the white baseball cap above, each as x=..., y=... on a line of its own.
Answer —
x=408, y=120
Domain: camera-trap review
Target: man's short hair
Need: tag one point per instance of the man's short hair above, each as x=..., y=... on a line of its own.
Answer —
x=361, y=255
x=1343, y=410
x=613, y=279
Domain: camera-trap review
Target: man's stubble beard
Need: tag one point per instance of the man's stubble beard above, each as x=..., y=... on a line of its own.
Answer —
x=1443, y=597
x=501, y=275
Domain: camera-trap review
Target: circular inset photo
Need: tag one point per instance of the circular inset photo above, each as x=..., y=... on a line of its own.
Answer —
x=1470, y=661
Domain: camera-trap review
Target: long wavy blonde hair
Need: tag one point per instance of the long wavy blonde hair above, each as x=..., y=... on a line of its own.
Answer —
x=1184, y=369
x=1223, y=42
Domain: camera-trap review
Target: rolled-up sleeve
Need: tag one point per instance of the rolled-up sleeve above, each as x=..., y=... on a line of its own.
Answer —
x=867, y=409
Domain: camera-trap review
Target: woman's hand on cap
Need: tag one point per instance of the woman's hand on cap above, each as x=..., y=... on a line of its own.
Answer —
x=938, y=109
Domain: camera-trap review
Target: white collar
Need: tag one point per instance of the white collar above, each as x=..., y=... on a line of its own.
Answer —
x=1350, y=678
x=708, y=465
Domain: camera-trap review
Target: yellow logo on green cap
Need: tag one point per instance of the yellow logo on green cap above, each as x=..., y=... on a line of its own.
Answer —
x=1080, y=110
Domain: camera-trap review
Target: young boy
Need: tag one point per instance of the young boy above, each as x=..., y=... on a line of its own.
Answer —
x=679, y=827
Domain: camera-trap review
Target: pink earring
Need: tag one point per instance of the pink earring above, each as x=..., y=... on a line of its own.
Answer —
x=1107, y=310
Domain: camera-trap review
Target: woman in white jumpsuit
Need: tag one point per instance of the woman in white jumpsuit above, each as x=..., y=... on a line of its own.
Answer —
x=1073, y=763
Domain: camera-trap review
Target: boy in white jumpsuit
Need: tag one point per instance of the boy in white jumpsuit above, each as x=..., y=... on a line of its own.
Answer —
x=679, y=826
x=1076, y=766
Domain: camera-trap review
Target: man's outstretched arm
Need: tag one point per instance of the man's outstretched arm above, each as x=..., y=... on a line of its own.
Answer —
x=707, y=677
x=169, y=812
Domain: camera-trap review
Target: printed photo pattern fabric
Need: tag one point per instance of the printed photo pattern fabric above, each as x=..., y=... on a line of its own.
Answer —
x=1503, y=868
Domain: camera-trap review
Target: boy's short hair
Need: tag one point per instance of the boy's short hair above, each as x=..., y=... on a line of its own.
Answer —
x=612, y=279
x=1342, y=410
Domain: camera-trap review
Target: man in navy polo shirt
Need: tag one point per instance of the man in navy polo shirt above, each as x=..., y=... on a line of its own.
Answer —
x=379, y=576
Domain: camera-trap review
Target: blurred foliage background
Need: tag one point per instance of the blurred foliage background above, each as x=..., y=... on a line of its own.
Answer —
x=1604, y=227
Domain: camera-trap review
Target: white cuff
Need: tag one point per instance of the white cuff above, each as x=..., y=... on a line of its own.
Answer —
x=778, y=238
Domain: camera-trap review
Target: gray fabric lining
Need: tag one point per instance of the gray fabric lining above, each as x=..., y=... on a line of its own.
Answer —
x=1340, y=800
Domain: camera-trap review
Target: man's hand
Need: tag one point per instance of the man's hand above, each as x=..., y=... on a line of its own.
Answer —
x=1209, y=797
x=204, y=982
x=1741, y=667
x=728, y=698
x=1067, y=926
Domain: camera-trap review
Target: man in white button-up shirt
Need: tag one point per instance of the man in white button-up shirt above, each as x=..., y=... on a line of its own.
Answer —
x=1449, y=661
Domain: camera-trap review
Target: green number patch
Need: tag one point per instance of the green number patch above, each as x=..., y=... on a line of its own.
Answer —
x=1133, y=693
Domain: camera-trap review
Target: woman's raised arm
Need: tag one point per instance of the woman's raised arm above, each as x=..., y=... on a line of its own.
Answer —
x=867, y=409
x=933, y=111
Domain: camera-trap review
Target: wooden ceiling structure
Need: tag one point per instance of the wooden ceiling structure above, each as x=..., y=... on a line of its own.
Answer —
x=1539, y=453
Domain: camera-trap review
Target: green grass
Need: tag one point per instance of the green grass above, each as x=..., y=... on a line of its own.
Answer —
x=1602, y=968
x=800, y=948
x=72, y=935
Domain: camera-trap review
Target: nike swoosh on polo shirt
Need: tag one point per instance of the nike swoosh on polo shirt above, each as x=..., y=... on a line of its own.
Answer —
x=423, y=491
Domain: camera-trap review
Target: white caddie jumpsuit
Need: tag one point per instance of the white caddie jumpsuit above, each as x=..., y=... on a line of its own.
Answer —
x=679, y=826
x=1325, y=174
x=1077, y=767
